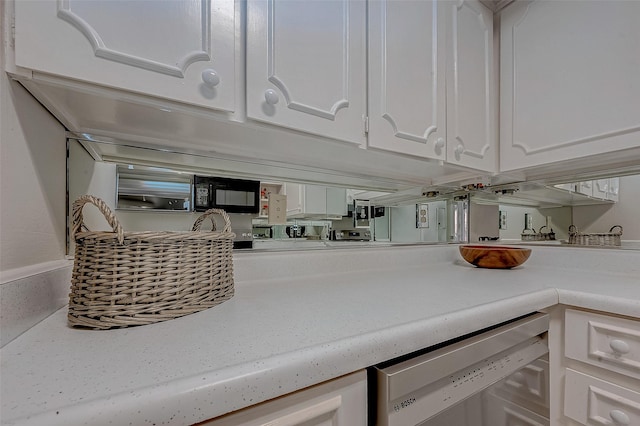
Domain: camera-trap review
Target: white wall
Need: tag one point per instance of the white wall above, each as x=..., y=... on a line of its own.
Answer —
x=403, y=224
x=34, y=275
x=626, y=212
x=32, y=180
x=560, y=221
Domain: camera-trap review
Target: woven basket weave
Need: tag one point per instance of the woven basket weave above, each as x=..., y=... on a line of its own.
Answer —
x=122, y=278
x=610, y=238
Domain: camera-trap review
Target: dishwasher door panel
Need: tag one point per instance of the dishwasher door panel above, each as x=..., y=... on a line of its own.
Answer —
x=415, y=390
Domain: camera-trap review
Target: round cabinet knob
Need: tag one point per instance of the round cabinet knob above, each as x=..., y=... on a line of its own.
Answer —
x=439, y=143
x=619, y=346
x=271, y=97
x=210, y=77
x=619, y=417
x=459, y=149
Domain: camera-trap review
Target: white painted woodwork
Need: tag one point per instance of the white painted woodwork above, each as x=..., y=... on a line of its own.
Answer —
x=407, y=77
x=339, y=402
x=471, y=108
x=570, y=80
x=336, y=201
x=501, y=412
x=585, y=188
x=306, y=66
x=594, y=402
x=614, y=189
x=315, y=200
x=601, y=188
x=178, y=50
x=603, y=341
x=607, y=189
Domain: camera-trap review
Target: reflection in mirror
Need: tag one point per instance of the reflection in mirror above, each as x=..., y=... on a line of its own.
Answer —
x=295, y=214
x=288, y=215
x=591, y=207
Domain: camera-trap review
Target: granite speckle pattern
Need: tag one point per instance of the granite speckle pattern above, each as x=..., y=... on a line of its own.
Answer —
x=286, y=328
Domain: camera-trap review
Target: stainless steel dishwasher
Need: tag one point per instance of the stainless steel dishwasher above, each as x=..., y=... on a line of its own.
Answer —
x=459, y=382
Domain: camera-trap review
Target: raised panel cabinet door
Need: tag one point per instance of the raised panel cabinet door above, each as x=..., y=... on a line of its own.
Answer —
x=613, y=193
x=570, y=80
x=182, y=50
x=407, y=77
x=338, y=402
x=306, y=66
x=600, y=188
x=471, y=95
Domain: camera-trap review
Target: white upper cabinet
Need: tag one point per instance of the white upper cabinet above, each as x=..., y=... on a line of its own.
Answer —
x=431, y=90
x=570, y=80
x=306, y=66
x=407, y=77
x=315, y=200
x=178, y=50
x=471, y=91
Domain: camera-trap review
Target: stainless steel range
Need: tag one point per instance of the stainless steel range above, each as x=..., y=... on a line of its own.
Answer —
x=351, y=235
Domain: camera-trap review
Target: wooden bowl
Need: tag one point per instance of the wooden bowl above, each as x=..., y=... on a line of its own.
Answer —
x=494, y=257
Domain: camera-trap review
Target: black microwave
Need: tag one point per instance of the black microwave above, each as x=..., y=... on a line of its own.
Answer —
x=231, y=195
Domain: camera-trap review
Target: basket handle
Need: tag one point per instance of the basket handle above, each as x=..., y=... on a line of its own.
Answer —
x=614, y=227
x=573, y=229
x=209, y=213
x=78, y=221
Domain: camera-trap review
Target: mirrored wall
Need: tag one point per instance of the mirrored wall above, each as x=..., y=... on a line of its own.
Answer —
x=297, y=214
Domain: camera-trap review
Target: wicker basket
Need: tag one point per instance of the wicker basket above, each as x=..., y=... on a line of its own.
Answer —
x=122, y=278
x=597, y=239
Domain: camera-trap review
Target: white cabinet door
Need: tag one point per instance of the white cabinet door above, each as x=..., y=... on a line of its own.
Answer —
x=614, y=189
x=306, y=199
x=585, y=188
x=471, y=95
x=339, y=402
x=179, y=50
x=306, y=66
x=570, y=80
x=336, y=202
x=600, y=188
x=407, y=77
x=315, y=200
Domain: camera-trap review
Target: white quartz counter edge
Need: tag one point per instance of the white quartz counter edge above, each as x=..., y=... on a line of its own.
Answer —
x=195, y=394
x=191, y=399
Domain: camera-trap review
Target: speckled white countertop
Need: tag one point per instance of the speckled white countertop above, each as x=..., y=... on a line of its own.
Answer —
x=297, y=319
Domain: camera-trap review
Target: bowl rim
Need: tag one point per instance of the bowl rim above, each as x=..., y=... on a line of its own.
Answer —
x=488, y=247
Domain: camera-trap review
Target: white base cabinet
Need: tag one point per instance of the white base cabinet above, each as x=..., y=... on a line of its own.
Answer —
x=595, y=368
x=569, y=81
x=339, y=402
x=591, y=401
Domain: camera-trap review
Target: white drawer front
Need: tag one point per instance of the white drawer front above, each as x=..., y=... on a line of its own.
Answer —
x=607, y=342
x=592, y=401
